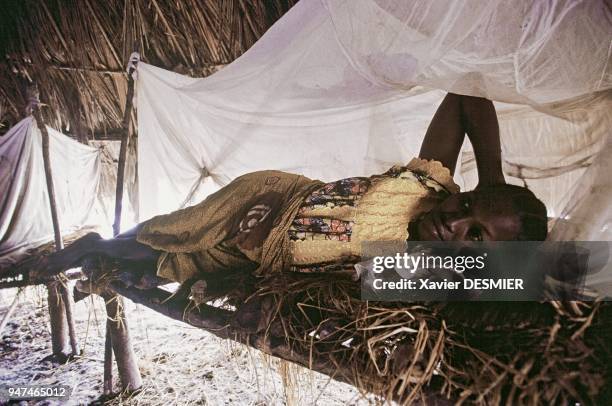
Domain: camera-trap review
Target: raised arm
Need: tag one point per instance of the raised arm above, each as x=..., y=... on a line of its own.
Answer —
x=445, y=133
x=456, y=116
x=482, y=128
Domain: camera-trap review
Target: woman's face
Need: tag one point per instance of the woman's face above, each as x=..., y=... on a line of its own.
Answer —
x=471, y=216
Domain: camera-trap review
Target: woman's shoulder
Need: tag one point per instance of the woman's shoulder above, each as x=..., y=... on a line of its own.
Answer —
x=431, y=173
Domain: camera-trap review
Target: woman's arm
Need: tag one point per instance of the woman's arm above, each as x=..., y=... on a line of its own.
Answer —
x=445, y=133
x=456, y=116
x=482, y=128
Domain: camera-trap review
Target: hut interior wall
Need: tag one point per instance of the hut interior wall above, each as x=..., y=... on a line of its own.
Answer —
x=77, y=51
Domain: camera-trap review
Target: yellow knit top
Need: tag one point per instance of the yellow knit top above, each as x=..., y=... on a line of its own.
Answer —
x=382, y=213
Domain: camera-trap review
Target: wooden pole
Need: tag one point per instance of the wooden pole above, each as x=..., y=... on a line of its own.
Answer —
x=68, y=307
x=60, y=301
x=117, y=328
x=81, y=134
x=57, y=319
x=108, y=360
x=125, y=136
x=18, y=280
x=10, y=310
x=118, y=335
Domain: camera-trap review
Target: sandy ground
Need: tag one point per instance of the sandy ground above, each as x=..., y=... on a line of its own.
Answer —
x=179, y=363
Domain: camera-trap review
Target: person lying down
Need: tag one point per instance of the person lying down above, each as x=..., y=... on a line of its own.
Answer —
x=272, y=221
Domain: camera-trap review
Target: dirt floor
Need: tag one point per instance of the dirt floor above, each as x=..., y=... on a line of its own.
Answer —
x=180, y=364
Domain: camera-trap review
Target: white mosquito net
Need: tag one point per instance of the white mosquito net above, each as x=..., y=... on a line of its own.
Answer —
x=341, y=88
x=25, y=214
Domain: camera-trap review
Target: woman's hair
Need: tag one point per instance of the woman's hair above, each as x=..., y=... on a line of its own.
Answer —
x=530, y=209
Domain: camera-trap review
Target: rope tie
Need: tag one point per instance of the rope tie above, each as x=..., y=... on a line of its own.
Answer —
x=194, y=188
x=133, y=64
x=33, y=100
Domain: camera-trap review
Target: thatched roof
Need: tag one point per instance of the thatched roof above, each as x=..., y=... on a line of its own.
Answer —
x=76, y=50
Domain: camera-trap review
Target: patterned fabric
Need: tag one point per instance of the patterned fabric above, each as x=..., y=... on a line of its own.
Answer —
x=345, y=192
x=331, y=223
x=316, y=228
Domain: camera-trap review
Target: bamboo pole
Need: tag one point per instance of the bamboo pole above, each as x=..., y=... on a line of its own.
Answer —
x=60, y=301
x=117, y=335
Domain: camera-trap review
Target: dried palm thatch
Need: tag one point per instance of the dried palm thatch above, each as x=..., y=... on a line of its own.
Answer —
x=76, y=50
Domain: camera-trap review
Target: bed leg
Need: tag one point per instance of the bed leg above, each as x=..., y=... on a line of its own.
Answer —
x=60, y=310
x=121, y=343
x=57, y=318
x=108, y=361
x=68, y=306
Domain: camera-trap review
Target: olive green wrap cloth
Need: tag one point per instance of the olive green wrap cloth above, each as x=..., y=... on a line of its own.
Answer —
x=242, y=226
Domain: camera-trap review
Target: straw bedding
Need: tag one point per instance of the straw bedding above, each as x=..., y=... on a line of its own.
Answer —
x=477, y=353
x=469, y=352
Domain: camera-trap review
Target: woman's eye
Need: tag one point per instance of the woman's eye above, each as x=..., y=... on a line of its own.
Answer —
x=474, y=234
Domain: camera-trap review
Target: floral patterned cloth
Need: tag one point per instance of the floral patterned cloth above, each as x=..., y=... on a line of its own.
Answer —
x=345, y=192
